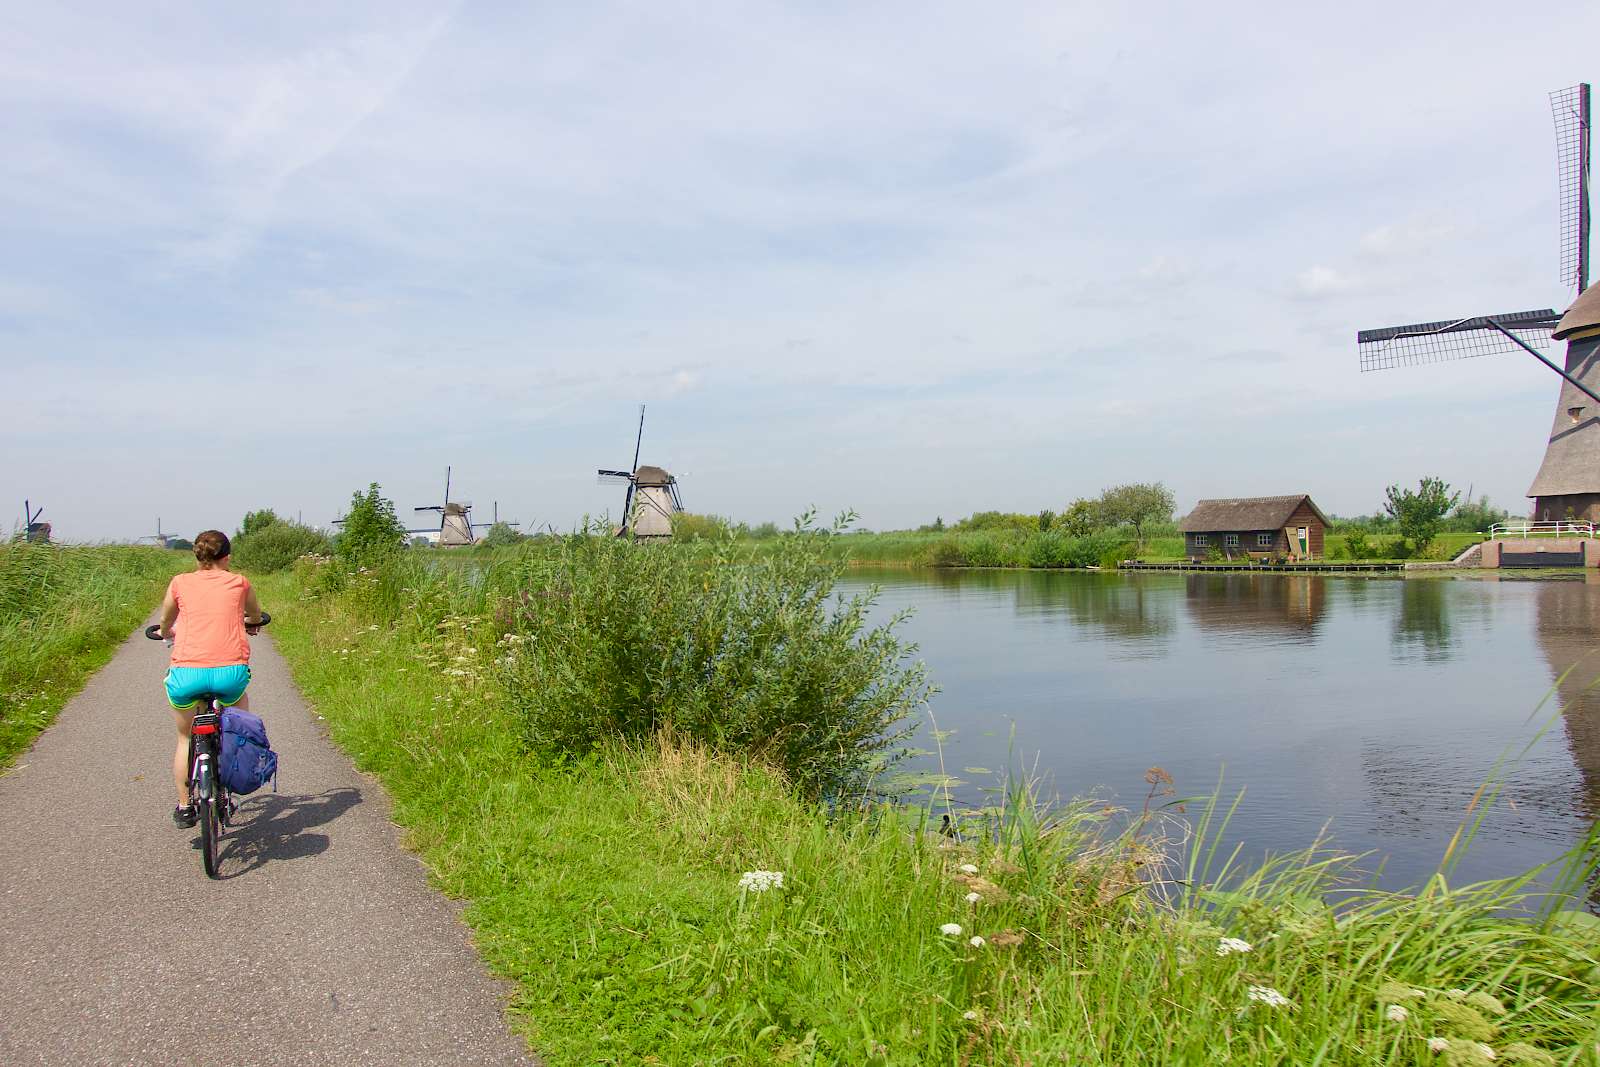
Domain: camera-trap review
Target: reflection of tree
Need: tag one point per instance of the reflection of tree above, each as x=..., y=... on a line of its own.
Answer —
x=1246, y=604
x=1569, y=634
x=1424, y=620
x=1116, y=605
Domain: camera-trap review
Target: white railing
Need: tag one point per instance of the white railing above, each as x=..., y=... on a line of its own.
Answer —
x=1526, y=529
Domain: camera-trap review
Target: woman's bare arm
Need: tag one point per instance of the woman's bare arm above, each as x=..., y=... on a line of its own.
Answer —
x=169, y=614
x=252, y=610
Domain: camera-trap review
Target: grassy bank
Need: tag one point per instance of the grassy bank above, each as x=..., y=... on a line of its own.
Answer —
x=606, y=885
x=63, y=610
x=1002, y=548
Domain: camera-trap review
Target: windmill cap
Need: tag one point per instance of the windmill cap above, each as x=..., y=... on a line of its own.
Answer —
x=1582, y=315
x=651, y=476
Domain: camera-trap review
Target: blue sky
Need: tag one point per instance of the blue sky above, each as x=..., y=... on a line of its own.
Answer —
x=914, y=259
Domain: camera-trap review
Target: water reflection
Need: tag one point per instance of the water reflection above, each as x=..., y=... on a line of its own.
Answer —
x=1568, y=623
x=1376, y=708
x=1422, y=625
x=1288, y=605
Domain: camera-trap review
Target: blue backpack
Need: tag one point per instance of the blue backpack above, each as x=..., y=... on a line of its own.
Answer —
x=247, y=760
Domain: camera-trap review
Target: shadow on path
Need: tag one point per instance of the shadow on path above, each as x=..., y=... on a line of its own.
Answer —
x=274, y=827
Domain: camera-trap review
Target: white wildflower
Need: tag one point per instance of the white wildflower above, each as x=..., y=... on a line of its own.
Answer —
x=1229, y=945
x=977, y=942
x=1438, y=1044
x=760, y=881
x=973, y=898
x=1419, y=993
x=1396, y=1014
x=1488, y=1053
x=1265, y=994
x=968, y=868
x=969, y=1015
x=1456, y=994
x=951, y=929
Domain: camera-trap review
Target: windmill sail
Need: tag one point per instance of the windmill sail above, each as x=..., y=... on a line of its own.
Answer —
x=1447, y=339
x=1570, y=108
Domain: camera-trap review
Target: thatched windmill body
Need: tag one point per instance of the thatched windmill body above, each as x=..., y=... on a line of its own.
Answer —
x=32, y=528
x=1567, y=485
x=652, y=497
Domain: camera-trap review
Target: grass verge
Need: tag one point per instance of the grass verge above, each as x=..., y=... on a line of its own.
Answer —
x=63, y=611
x=608, y=889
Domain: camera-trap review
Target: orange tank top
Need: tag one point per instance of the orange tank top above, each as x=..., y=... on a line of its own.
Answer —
x=210, y=627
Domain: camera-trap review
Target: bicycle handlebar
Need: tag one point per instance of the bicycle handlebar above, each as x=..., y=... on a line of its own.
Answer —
x=153, y=631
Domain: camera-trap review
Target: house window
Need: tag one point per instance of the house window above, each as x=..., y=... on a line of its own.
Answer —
x=1230, y=540
x=1263, y=540
x=1202, y=540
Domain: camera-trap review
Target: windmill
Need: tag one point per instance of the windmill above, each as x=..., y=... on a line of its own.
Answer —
x=1568, y=482
x=32, y=528
x=158, y=537
x=455, y=522
x=652, y=498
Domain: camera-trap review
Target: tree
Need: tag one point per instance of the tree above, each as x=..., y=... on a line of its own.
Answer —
x=1419, y=514
x=371, y=531
x=256, y=521
x=1137, y=505
x=1047, y=519
x=182, y=544
x=1082, y=518
x=501, y=534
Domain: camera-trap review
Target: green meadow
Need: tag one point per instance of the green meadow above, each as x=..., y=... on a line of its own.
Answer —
x=665, y=879
x=63, y=611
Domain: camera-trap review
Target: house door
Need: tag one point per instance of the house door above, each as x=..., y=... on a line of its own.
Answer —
x=1303, y=535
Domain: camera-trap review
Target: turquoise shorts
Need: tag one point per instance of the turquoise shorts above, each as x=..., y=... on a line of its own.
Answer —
x=186, y=685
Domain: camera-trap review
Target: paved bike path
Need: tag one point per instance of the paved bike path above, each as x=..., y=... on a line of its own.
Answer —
x=328, y=945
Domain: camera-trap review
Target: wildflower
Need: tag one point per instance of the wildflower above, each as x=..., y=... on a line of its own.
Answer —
x=760, y=881
x=1438, y=1044
x=1486, y=1051
x=969, y=1015
x=977, y=942
x=1396, y=1014
x=1485, y=1002
x=1230, y=945
x=973, y=898
x=1526, y=1054
x=951, y=929
x=968, y=868
x=1265, y=994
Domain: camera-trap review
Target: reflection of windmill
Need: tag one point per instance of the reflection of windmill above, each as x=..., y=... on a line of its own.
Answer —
x=1568, y=619
x=1568, y=482
x=455, y=522
x=32, y=528
x=652, y=498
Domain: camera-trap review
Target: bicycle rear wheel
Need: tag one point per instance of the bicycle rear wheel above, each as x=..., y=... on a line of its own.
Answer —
x=210, y=820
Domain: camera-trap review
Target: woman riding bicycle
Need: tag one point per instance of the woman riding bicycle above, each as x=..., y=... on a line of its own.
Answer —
x=210, y=652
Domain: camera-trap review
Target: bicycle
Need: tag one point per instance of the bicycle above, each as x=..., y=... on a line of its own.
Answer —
x=206, y=791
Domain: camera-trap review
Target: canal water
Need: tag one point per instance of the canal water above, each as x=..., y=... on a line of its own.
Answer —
x=1372, y=708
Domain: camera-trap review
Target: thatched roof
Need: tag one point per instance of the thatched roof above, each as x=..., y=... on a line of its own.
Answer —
x=1245, y=513
x=1584, y=313
x=651, y=476
x=1572, y=459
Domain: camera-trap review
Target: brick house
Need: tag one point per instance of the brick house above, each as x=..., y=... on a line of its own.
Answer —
x=1261, y=527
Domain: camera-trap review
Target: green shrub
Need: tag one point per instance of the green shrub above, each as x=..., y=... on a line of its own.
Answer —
x=1357, y=546
x=501, y=535
x=689, y=527
x=277, y=545
x=1047, y=550
x=985, y=550
x=743, y=652
x=948, y=552
x=371, y=531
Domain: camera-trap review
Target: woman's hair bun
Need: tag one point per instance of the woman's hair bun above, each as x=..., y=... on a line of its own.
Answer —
x=211, y=546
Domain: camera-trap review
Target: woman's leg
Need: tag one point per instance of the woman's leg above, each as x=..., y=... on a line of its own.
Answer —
x=243, y=703
x=180, y=758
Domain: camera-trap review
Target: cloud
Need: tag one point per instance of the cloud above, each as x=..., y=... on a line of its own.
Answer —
x=1321, y=282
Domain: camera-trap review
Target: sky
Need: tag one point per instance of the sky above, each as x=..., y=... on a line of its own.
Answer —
x=911, y=259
